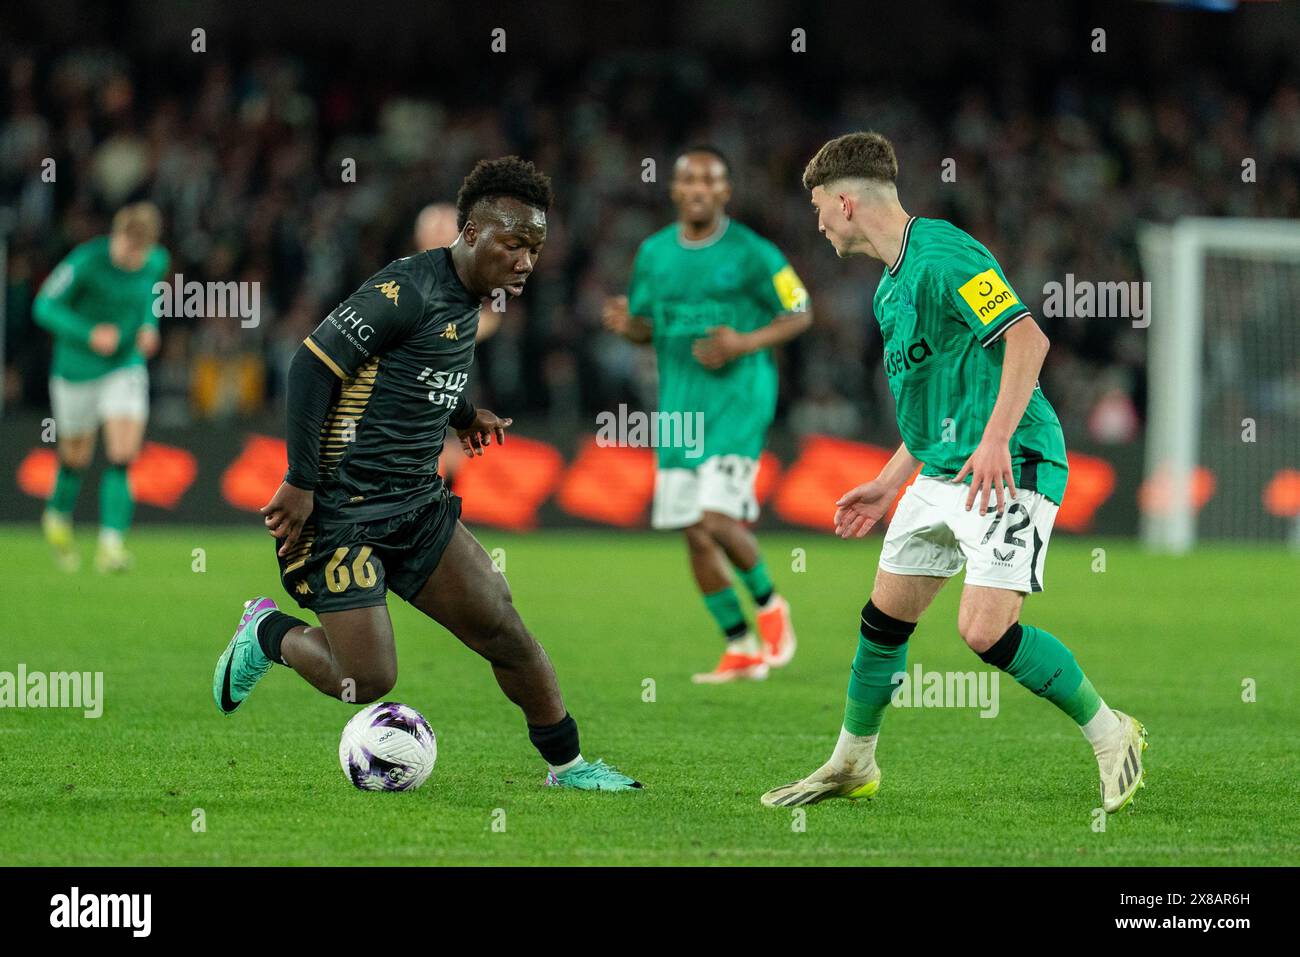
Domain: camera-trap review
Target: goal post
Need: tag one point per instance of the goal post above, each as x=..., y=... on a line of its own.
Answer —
x=1223, y=376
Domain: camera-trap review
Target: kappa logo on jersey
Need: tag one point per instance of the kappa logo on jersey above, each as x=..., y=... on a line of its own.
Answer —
x=896, y=360
x=450, y=331
x=987, y=295
x=390, y=289
x=302, y=588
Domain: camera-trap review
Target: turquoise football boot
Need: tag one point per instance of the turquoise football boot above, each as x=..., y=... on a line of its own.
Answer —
x=592, y=776
x=243, y=663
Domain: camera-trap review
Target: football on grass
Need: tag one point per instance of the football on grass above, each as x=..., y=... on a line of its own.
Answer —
x=387, y=747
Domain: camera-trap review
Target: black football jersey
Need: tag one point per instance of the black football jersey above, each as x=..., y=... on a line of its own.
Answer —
x=401, y=345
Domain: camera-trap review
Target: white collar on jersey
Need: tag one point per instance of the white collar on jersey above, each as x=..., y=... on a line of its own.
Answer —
x=708, y=240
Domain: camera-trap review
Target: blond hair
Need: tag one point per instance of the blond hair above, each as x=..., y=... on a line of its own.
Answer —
x=140, y=222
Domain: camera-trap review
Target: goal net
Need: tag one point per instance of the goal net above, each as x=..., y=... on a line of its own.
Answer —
x=1223, y=365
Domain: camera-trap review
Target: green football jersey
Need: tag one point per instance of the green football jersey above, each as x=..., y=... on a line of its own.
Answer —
x=87, y=289
x=683, y=289
x=943, y=307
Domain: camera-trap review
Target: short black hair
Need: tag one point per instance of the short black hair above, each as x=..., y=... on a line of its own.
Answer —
x=507, y=176
x=711, y=150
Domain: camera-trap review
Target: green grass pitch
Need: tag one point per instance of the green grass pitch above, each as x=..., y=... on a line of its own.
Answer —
x=1170, y=640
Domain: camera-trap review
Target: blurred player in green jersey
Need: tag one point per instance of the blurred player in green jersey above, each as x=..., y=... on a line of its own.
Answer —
x=714, y=297
x=98, y=305
x=962, y=356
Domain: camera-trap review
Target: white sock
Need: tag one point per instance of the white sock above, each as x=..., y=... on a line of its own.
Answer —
x=747, y=645
x=854, y=752
x=558, y=769
x=110, y=537
x=1103, y=725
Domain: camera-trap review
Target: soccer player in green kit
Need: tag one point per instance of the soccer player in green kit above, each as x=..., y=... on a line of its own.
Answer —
x=714, y=297
x=962, y=356
x=98, y=305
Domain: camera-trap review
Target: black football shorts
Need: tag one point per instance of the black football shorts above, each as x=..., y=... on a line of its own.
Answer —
x=336, y=565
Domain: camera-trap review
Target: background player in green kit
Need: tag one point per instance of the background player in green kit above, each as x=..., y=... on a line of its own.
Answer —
x=98, y=305
x=714, y=297
x=362, y=510
x=962, y=356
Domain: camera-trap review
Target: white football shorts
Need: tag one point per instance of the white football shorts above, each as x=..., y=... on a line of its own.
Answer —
x=721, y=483
x=80, y=407
x=933, y=534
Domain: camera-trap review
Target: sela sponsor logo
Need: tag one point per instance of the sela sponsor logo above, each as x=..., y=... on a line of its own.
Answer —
x=947, y=689
x=637, y=429
x=207, y=300
x=74, y=909
x=1083, y=299
x=915, y=353
x=444, y=387
x=987, y=295
x=55, y=689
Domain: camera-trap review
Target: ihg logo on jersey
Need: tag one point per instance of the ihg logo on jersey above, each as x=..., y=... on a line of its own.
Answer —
x=913, y=354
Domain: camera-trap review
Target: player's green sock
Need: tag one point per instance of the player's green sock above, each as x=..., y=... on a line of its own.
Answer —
x=1039, y=661
x=882, y=653
x=115, y=504
x=758, y=581
x=67, y=486
x=724, y=606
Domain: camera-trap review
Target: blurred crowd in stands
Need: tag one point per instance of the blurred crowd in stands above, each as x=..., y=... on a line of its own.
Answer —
x=250, y=161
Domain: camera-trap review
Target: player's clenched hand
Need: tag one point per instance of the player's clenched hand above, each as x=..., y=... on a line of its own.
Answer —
x=723, y=344
x=104, y=338
x=476, y=438
x=146, y=341
x=990, y=469
x=286, y=513
x=615, y=316
x=858, y=510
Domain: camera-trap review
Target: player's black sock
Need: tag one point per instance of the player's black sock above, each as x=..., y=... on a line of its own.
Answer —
x=557, y=743
x=271, y=631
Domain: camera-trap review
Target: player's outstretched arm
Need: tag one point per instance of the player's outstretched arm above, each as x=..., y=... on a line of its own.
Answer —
x=859, y=509
x=990, y=464
x=783, y=328
x=475, y=427
x=53, y=312
x=617, y=318
x=725, y=344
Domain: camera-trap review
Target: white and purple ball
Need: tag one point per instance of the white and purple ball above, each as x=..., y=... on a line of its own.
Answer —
x=387, y=747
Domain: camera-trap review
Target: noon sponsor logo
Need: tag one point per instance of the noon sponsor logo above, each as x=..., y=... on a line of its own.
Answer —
x=179, y=299
x=55, y=689
x=1084, y=299
x=75, y=909
x=637, y=429
x=987, y=295
x=947, y=689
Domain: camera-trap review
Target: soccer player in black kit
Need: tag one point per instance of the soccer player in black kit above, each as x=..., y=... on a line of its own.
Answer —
x=371, y=395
